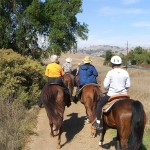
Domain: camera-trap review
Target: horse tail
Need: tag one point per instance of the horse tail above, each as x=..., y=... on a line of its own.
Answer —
x=137, y=125
x=54, y=110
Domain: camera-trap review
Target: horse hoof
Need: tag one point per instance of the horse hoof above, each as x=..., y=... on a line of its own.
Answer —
x=87, y=121
x=93, y=136
x=52, y=135
x=100, y=144
x=58, y=146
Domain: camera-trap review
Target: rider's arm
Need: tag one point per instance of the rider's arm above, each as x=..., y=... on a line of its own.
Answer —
x=61, y=70
x=95, y=73
x=107, y=81
x=128, y=82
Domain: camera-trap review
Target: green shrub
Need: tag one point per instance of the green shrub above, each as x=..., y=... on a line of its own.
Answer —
x=21, y=78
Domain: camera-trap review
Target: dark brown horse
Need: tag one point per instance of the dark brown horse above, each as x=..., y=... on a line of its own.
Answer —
x=69, y=82
x=54, y=99
x=129, y=118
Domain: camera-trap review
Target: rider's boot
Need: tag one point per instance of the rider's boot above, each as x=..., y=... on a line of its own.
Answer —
x=98, y=124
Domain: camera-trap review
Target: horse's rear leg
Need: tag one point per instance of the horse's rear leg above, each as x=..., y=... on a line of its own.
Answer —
x=59, y=138
x=102, y=135
x=123, y=137
x=117, y=141
x=51, y=128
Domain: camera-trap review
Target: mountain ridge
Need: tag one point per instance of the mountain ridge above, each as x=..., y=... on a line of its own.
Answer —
x=99, y=50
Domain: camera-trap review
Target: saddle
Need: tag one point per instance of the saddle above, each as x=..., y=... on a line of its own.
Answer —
x=112, y=100
x=54, y=84
x=80, y=90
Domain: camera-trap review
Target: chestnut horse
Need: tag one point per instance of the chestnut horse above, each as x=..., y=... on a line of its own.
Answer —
x=54, y=100
x=129, y=118
x=89, y=95
x=69, y=82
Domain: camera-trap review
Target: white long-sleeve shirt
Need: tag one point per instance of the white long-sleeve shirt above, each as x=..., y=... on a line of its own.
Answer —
x=117, y=81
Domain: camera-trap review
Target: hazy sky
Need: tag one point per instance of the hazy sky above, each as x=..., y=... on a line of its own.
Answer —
x=114, y=22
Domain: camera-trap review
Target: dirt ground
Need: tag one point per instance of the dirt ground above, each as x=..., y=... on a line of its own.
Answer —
x=75, y=136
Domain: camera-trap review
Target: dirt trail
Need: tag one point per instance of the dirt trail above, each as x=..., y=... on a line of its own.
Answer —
x=75, y=136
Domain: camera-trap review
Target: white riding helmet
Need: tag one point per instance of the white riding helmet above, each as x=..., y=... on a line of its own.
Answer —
x=54, y=58
x=116, y=60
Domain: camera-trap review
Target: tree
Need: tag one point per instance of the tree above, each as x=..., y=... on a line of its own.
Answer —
x=64, y=25
x=139, y=56
x=108, y=56
x=22, y=23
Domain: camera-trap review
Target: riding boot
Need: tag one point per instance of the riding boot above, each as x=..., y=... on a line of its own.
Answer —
x=98, y=124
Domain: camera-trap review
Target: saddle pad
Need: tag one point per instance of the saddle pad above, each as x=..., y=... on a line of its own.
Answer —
x=108, y=105
x=119, y=96
x=114, y=99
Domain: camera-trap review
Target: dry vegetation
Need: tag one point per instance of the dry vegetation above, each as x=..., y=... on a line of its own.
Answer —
x=140, y=80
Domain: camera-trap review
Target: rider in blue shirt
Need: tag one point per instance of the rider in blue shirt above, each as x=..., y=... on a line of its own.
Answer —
x=87, y=74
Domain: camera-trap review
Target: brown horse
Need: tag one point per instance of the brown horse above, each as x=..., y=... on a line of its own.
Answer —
x=69, y=82
x=89, y=96
x=129, y=118
x=54, y=99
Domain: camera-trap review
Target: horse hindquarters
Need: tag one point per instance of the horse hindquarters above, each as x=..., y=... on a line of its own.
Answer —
x=53, y=100
x=138, y=121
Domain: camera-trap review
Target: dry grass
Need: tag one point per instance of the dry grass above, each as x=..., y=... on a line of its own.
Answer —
x=140, y=80
x=16, y=124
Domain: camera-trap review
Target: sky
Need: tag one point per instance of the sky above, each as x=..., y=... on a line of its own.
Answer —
x=116, y=22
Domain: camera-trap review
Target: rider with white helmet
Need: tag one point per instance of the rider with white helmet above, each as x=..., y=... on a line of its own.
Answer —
x=117, y=81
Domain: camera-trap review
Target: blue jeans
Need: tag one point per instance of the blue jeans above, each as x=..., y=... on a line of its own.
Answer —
x=100, y=104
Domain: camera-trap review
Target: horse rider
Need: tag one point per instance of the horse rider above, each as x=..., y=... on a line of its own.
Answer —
x=87, y=74
x=55, y=73
x=117, y=81
x=67, y=66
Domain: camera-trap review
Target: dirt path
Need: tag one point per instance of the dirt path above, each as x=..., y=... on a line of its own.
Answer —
x=75, y=136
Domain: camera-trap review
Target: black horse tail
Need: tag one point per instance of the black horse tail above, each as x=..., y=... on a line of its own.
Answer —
x=137, y=125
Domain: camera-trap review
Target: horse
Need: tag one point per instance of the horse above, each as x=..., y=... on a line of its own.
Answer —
x=54, y=100
x=89, y=95
x=128, y=117
x=69, y=82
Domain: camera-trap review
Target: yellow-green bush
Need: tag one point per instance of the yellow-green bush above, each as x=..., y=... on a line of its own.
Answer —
x=21, y=78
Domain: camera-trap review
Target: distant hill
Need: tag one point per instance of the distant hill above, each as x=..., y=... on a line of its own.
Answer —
x=99, y=50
